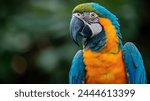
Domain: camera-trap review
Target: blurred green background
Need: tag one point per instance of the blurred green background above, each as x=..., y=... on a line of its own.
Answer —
x=35, y=43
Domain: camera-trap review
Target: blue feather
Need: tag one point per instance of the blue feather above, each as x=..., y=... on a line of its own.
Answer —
x=97, y=42
x=134, y=64
x=77, y=71
x=107, y=14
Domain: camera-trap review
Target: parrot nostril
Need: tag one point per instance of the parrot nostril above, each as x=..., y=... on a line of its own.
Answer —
x=79, y=14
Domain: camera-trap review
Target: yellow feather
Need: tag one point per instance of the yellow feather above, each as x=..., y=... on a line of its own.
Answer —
x=105, y=66
x=112, y=39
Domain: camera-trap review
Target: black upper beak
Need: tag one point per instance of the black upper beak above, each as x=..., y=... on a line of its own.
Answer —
x=78, y=27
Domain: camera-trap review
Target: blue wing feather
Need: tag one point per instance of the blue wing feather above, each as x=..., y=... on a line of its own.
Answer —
x=77, y=71
x=134, y=64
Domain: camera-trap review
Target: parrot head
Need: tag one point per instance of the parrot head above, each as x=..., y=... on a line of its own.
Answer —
x=95, y=25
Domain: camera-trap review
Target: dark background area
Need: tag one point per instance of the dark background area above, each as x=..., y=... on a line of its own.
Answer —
x=35, y=43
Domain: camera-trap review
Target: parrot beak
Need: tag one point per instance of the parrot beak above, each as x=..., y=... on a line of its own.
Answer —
x=76, y=26
x=79, y=28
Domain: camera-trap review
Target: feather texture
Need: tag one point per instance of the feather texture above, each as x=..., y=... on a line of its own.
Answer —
x=134, y=64
x=77, y=71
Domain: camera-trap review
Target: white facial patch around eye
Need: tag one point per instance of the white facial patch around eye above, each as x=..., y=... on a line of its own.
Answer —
x=96, y=28
x=78, y=15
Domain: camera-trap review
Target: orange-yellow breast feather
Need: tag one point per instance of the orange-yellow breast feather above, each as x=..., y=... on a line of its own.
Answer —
x=105, y=66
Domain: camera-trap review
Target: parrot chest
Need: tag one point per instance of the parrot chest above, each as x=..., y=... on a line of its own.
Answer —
x=104, y=68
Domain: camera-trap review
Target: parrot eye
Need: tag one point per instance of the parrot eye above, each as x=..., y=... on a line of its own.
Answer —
x=92, y=14
x=93, y=18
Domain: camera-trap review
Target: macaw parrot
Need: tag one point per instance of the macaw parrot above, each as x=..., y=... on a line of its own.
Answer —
x=103, y=59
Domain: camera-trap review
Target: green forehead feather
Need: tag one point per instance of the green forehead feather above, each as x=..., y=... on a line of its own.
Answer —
x=86, y=7
x=83, y=8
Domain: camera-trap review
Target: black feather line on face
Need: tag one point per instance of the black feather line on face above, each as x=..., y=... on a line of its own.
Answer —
x=96, y=43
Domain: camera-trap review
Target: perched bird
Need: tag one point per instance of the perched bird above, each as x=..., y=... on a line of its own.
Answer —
x=103, y=59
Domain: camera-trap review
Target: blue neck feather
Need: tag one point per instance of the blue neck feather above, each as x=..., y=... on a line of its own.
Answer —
x=97, y=42
x=105, y=13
